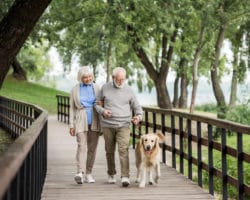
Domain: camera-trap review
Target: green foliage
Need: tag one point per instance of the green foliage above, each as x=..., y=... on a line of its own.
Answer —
x=242, y=70
x=5, y=141
x=240, y=114
x=35, y=60
x=4, y=7
x=207, y=108
x=31, y=93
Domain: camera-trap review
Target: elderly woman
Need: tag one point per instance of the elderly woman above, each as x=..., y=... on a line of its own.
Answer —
x=84, y=122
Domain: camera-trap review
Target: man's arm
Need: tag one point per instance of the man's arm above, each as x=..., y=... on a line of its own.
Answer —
x=136, y=107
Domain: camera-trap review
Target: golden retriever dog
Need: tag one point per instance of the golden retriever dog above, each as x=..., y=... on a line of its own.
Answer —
x=147, y=158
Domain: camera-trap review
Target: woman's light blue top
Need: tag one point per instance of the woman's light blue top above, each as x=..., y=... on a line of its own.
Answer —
x=87, y=99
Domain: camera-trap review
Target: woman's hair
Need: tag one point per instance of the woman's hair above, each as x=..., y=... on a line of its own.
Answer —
x=84, y=71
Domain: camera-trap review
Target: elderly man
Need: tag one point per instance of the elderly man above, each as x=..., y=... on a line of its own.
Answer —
x=84, y=122
x=118, y=101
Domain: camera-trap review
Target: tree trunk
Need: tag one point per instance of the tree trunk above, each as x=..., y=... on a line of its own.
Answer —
x=234, y=82
x=108, y=61
x=163, y=98
x=184, y=84
x=18, y=72
x=176, y=92
x=195, y=67
x=219, y=96
x=184, y=92
x=15, y=28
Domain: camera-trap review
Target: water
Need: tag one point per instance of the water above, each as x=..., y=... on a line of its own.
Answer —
x=204, y=91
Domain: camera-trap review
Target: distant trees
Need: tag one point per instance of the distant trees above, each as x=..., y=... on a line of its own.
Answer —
x=155, y=37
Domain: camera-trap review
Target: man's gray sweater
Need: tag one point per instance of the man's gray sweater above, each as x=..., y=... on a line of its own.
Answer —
x=120, y=101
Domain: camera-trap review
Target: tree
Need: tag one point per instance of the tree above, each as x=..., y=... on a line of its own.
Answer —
x=238, y=36
x=146, y=35
x=18, y=71
x=15, y=27
x=228, y=14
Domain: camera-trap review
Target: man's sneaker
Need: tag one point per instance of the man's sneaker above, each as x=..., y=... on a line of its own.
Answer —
x=111, y=179
x=79, y=178
x=125, y=181
x=89, y=178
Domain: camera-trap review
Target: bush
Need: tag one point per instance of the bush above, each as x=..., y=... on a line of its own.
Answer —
x=240, y=114
x=207, y=108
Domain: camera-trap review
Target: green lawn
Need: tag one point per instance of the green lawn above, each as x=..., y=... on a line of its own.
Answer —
x=32, y=93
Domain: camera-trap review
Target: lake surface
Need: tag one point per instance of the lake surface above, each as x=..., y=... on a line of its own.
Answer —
x=204, y=92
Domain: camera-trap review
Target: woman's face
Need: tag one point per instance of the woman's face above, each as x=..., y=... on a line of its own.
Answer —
x=87, y=79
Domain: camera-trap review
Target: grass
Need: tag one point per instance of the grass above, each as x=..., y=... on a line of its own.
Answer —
x=5, y=141
x=28, y=92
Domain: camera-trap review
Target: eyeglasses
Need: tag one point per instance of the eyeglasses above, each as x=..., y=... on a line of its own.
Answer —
x=120, y=79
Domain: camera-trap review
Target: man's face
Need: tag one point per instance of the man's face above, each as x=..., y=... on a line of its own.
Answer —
x=119, y=80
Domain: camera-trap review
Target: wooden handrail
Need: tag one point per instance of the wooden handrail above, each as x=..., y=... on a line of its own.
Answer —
x=24, y=164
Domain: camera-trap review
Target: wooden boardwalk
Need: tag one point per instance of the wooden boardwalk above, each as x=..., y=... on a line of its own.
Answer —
x=60, y=184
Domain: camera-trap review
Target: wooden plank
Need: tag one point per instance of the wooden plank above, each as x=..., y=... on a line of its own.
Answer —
x=60, y=182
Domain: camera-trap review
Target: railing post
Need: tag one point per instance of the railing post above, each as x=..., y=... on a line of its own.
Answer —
x=181, y=145
x=68, y=106
x=210, y=160
x=189, y=132
x=199, y=154
x=173, y=141
x=146, y=121
x=133, y=133
x=224, y=163
x=154, y=121
x=57, y=97
x=163, y=132
x=240, y=166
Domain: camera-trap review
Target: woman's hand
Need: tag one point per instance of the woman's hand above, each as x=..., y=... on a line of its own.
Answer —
x=100, y=103
x=72, y=131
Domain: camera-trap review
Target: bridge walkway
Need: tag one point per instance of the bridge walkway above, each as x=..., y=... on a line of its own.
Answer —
x=60, y=184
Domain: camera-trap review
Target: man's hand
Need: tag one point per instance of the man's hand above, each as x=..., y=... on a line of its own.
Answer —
x=135, y=120
x=107, y=113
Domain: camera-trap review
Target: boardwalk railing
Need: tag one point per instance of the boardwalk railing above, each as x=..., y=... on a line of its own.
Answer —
x=24, y=164
x=198, y=148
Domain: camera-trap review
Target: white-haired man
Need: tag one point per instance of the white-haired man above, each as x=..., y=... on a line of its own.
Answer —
x=84, y=122
x=118, y=101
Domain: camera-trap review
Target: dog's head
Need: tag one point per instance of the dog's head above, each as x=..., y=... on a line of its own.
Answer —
x=150, y=141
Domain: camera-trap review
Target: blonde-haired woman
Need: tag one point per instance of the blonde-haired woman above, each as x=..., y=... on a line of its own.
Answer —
x=84, y=123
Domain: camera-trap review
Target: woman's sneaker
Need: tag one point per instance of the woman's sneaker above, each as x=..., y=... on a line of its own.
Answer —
x=79, y=178
x=89, y=178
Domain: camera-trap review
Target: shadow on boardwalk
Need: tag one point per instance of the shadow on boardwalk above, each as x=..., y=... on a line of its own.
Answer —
x=59, y=183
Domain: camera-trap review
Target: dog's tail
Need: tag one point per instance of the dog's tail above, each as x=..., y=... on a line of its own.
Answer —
x=161, y=137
